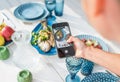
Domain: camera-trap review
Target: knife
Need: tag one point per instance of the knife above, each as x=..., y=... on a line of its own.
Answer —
x=8, y=19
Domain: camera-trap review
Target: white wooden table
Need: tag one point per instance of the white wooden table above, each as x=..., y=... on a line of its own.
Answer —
x=52, y=69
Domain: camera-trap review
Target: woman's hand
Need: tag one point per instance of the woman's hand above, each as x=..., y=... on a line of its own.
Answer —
x=79, y=46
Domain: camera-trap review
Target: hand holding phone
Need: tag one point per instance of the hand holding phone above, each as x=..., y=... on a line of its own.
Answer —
x=61, y=33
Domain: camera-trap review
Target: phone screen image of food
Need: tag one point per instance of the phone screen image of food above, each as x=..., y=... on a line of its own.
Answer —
x=61, y=36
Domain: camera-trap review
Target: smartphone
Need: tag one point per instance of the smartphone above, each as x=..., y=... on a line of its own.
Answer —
x=61, y=32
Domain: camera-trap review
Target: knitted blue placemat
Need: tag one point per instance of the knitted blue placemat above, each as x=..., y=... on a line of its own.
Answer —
x=101, y=77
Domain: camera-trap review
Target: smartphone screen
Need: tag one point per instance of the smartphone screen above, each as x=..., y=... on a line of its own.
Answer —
x=61, y=33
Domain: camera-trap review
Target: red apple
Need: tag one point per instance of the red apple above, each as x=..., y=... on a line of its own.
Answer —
x=7, y=32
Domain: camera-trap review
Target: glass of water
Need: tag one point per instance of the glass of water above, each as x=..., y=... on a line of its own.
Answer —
x=25, y=56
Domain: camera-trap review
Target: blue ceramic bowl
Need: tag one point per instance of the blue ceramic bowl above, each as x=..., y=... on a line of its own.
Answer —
x=53, y=50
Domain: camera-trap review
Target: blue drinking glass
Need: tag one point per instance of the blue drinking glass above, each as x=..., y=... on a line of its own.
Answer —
x=73, y=66
x=59, y=7
x=50, y=5
x=87, y=67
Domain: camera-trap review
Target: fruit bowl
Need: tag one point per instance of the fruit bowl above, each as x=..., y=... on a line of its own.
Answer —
x=5, y=34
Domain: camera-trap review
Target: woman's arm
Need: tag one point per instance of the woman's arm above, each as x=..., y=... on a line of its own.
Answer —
x=105, y=59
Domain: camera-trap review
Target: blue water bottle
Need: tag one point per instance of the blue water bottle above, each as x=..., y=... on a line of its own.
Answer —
x=59, y=7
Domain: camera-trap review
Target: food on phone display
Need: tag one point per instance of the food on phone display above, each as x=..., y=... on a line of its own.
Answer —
x=93, y=43
x=44, y=38
x=61, y=32
x=59, y=35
